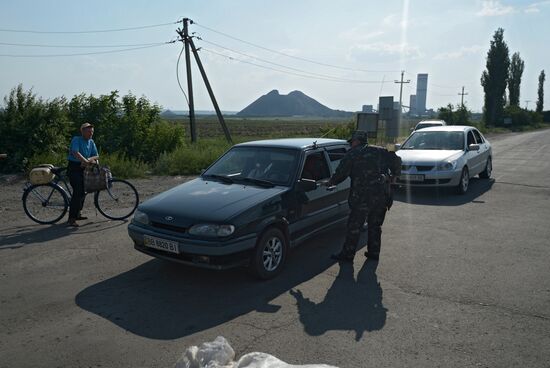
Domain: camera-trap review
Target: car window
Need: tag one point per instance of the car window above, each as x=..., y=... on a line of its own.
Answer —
x=272, y=164
x=478, y=136
x=315, y=167
x=335, y=155
x=471, y=139
x=421, y=140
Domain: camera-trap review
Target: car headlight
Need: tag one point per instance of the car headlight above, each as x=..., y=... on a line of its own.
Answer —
x=446, y=166
x=211, y=230
x=141, y=217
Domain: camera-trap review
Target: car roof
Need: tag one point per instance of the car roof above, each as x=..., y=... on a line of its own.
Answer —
x=442, y=122
x=293, y=143
x=448, y=128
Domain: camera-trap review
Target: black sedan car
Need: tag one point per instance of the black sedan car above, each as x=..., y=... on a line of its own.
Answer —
x=248, y=208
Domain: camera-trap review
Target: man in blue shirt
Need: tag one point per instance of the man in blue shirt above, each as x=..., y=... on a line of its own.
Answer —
x=82, y=152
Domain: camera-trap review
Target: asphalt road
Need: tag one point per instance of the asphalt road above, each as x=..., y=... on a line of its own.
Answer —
x=463, y=281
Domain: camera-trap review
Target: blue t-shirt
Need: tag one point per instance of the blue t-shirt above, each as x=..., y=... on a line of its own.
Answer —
x=86, y=147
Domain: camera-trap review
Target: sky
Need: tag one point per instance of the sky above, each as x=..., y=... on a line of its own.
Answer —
x=345, y=54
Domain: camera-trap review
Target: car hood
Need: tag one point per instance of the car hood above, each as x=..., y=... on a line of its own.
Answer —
x=202, y=200
x=428, y=156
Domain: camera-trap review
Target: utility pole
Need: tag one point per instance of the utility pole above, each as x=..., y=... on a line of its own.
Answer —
x=188, y=41
x=527, y=104
x=401, y=92
x=462, y=97
x=184, y=34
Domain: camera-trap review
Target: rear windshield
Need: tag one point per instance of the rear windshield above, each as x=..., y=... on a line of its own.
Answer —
x=427, y=125
x=420, y=140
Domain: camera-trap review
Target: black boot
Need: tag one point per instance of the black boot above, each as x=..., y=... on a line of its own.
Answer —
x=342, y=257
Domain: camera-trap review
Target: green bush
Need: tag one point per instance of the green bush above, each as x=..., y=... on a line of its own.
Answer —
x=56, y=159
x=190, y=159
x=122, y=167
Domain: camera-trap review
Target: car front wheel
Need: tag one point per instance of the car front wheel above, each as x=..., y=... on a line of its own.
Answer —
x=486, y=174
x=270, y=254
x=464, y=181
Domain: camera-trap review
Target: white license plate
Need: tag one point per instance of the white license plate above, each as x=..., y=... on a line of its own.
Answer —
x=162, y=244
x=406, y=177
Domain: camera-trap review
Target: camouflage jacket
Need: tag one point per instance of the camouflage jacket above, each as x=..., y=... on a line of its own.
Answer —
x=369, y=168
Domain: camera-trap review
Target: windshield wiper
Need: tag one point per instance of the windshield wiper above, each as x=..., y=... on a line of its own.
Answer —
x=260, y=182
x=225, y=179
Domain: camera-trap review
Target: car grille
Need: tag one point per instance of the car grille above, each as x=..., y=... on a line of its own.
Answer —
x=418, y=167
x=177, y=229
x=424, y=168
x=426, y=181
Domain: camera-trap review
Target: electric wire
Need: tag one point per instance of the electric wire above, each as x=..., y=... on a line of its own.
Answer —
x=337, y=79
x=293, y=56
x=90, y=31
x=284, y=71
x=178, y=75
x=83, y=53
x=76, y=46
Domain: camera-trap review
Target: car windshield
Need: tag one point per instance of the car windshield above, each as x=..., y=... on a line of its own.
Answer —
x=435, y=141
x=262, y=164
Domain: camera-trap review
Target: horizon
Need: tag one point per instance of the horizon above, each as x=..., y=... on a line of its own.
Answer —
x=342, y=55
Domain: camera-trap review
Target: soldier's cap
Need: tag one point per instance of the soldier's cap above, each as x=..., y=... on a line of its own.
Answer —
x=359, y=135
x=86, y=125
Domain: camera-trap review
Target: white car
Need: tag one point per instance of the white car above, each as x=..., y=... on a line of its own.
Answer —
x=446, y=156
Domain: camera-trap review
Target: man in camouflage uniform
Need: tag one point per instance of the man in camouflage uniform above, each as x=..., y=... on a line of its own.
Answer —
x=371, y=169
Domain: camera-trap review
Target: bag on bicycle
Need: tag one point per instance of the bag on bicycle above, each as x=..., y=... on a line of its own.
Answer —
x=96, y=178
x=41, y=175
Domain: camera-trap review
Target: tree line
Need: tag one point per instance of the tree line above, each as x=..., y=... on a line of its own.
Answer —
x=126, y=126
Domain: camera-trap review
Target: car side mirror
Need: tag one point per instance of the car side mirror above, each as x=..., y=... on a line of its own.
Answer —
x=307, y=185
x=473, y=147
x=397, y=146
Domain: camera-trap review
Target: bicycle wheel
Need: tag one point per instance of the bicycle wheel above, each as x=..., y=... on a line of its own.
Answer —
x=118, y=201
x=45, y=203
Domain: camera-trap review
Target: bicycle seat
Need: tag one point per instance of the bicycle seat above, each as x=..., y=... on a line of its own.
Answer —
x=58, y=170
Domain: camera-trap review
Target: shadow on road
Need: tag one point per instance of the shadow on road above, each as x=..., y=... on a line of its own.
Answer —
x=163, y=300
x=350, y=304
x=40, y=234
x=443, y=196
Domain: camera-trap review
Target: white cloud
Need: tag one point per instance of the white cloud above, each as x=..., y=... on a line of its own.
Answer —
x=494, y=8
x=463, y=51
x=535, y=7
x=362, y=32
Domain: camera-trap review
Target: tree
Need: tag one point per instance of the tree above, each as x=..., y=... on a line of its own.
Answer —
x=495, y=78
x=462, y=116
x=540, y=100
x=514, y=78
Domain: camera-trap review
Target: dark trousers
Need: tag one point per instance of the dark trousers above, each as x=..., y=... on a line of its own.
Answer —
x=375, y=218
x=76, y=178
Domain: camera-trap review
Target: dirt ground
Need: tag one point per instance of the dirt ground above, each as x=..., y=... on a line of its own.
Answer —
x=12, y=186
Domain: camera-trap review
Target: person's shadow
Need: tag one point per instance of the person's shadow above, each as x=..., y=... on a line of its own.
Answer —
x=350, y=304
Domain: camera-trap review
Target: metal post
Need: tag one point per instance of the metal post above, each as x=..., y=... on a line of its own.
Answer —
x=210, y=92
x=187, y=40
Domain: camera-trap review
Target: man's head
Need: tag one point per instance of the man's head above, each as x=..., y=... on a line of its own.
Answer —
x=358, y=138
x=87, y=130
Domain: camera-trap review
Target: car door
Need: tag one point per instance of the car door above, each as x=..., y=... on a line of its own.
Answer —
x=483, y=150
x=341, y=192
x=472, y=157
x=317, y=207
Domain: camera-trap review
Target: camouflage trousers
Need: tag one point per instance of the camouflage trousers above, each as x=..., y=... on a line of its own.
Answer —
x=375, y=218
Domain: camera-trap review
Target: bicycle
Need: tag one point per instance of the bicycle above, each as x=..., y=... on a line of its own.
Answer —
x=48, y=203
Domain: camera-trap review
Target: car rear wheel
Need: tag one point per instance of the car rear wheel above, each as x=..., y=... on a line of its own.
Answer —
x=270, y=254
x=486, y=174
x=464, y=181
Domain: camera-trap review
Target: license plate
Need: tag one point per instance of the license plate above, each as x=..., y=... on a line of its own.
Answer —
x=407, y=177
x=162, y=244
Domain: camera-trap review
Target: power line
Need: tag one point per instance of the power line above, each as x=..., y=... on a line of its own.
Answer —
x=292, y=56
x=76, y=46
x=337, y=79
x=284, y=71
x=89, y=31
x=84, y=53
x=178, y=74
